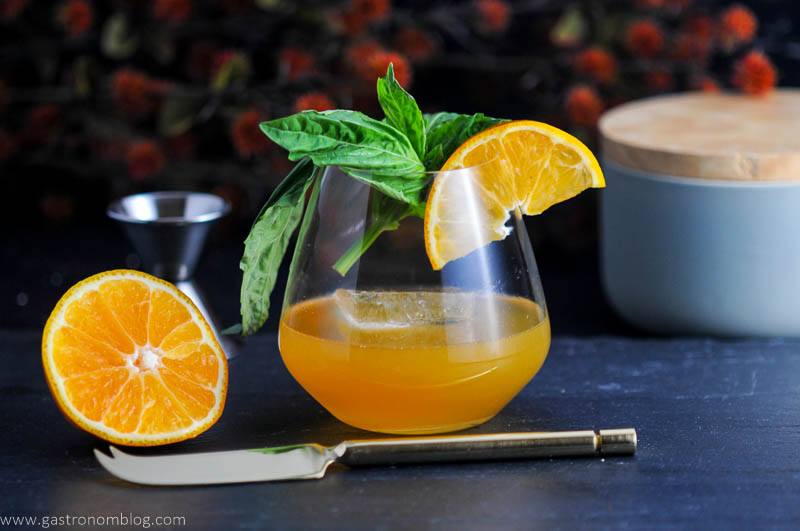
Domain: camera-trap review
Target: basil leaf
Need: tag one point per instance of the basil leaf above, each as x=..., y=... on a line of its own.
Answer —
x=308, y=215
x=299, y=174
x=446, y=131
x=364, y=148
x=435, y=158
x=267, y=242
x=401, y=110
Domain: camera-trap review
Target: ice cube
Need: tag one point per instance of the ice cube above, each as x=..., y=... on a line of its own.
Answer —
x=403, y=309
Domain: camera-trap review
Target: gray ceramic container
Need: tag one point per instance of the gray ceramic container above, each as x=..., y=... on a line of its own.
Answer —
x=700, y=220
x=698, y=256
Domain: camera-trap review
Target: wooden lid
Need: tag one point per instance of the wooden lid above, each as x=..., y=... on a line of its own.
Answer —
x=708, y=136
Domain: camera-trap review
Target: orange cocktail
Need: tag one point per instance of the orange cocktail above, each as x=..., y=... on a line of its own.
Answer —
x=413, y=302
x=376, y=362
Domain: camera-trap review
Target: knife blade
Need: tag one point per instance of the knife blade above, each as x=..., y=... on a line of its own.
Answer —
x=311, y=461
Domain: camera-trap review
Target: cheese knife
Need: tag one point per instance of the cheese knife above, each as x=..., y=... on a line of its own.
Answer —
x=311, y=461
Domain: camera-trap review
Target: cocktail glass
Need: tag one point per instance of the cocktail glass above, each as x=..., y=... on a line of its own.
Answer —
x=394, y=346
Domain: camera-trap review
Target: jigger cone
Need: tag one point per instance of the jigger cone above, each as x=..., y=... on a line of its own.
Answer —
x=168, y=231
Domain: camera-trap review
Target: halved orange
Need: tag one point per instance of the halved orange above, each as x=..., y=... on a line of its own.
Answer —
x=129, y=358
x=521, y=166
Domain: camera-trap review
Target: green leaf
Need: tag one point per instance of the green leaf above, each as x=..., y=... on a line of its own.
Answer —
x=177, y=115
x=235, y=71
x=367, y=149
x=267, y=242
x=570, y=28
x=435, y=158
x=448, y=130
x=116, y=39
x=401, y=110
x=82, y=73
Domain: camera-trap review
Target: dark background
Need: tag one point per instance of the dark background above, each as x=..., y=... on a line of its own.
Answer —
x=74, y=133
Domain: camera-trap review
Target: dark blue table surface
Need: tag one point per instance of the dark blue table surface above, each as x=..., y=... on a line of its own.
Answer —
x=718, y=423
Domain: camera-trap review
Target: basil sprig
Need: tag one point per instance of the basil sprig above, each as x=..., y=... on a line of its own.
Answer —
x=267, y=242
x=392, y=156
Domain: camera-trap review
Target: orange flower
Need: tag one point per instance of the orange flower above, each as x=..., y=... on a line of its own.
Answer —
x=317, y=101
x=359, y=56
x=135, y=93
x=707, y=84
x=597, y=64
x=41, y=122
x=695, y=40
x=359, y=14
x=351, y=24
x=584, y=105
x=370, y=10
x=415, y=43
x=493, y=15
x=246, y=136
x=145, y=158
x=659, y=80
x=701, y=27
x=172, y=10
x=76, y=16
x=380, y=61
x=295, y=63
x=11, y=9
x=738, y=25
x=754, y=74
x=645, y=39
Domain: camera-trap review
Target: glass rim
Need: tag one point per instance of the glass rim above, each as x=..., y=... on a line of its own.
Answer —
x=118, y=209
x=429, y=174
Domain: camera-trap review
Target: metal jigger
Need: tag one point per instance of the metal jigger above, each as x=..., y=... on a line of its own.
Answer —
x=168, y=231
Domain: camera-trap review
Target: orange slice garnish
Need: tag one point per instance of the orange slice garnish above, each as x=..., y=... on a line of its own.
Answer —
x=521, y=166
x=129, y=358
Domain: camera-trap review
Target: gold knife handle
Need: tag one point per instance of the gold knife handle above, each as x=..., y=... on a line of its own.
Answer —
x=486, y=447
